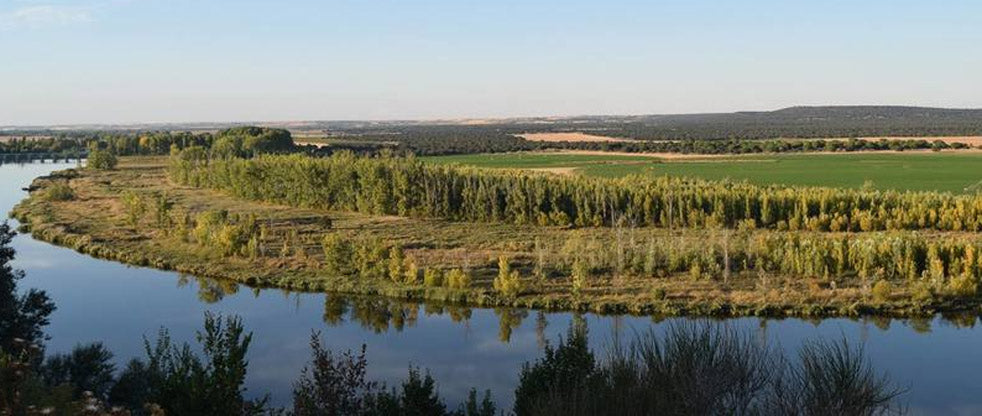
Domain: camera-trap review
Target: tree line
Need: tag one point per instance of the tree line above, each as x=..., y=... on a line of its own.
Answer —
x=435, y=142
x=236, y=141
x=408, y=187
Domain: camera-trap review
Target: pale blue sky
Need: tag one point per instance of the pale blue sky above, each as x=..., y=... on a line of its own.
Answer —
x=124, y=61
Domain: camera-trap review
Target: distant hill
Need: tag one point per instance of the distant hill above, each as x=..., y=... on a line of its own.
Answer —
x=802, y=122
x=791, y=122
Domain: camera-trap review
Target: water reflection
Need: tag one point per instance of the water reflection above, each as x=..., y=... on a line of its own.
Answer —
x=381, y=315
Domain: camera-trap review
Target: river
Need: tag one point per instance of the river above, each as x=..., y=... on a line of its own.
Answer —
x=936, y=360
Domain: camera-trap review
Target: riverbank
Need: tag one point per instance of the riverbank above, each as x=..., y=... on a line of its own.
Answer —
x=95, y=221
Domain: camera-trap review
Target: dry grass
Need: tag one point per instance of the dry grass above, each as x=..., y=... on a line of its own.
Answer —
x=573, y=136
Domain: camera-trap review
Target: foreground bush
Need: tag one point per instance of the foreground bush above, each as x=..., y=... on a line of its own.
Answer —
x=702, y=369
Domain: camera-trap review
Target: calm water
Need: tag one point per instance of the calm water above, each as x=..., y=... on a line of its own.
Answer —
x=938, y=361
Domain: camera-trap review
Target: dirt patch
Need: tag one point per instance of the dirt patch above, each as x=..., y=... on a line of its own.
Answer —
x=556, y=171
x=667, y=156
x=735, y=157
x=305, y=143
x=569, y=137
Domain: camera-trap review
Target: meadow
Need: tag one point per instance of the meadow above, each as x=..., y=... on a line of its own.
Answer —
x=956, y=172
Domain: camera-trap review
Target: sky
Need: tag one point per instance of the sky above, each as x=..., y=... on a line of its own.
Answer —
x=133, y=61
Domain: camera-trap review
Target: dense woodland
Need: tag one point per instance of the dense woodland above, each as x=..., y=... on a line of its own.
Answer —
x=405, y=186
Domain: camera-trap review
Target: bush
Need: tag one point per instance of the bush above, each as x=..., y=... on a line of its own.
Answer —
x=659, y=293
x=508, y=282
x=579, y=276
x=397, y=261
x=88, y=368
x=334, y=385
x=458, y=279
x=102, y=160
x=432, y=277
x=963, y=285
x=922, y=291
x=338, y=255
x=882, y=290
x=59, y=191
x=701, y=369
x=412, y=271
x=183, y=383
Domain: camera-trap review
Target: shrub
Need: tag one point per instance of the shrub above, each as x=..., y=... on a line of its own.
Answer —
x=458, y=279
x=922, y=291
x=59, y=191
x=134, y=206
x=432, y=277
x=882, y=290
x=963, y=285
x=579, y=276
x=184, y=383
x=333, y=385
x=338, y=255
x=701, y=369
x=88, y=368
x=508, y=282
x=397, y=261
x=370, y=256
x=412, y=271
x=102, y=160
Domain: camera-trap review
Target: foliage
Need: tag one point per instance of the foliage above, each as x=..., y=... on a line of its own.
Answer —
x=338, y=255
x=882, y=290
x=579, y=276
x=702, y=369
x=183, y=383
x=458, y=279
x=88, y=368
x=102, y=160
x=22, y=316
x=59, y=191
x=432, y=277
x=832, y=378
x=334, y=385
x=400, y=186
x=561, y=370
x=397, y=260
x=508, y=282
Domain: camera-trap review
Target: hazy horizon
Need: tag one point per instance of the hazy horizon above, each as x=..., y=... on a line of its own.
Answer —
x=72, y=62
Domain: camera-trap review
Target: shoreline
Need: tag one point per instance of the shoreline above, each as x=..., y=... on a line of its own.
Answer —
x=140, y=247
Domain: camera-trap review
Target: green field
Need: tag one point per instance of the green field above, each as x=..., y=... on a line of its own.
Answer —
x=532, y=160
x=922, y=171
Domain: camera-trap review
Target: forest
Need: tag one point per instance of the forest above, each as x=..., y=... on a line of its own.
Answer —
x=405, y=186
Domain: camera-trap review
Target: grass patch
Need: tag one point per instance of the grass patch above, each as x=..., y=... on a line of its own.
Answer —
x=956, y=172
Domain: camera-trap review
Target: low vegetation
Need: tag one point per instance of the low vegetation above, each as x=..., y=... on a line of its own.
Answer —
x=912, y=171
